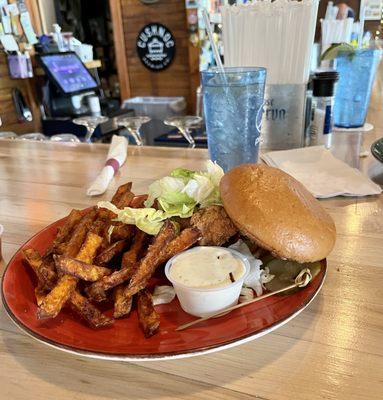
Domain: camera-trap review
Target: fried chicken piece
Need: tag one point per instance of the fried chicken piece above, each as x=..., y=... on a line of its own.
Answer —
x=214, y=224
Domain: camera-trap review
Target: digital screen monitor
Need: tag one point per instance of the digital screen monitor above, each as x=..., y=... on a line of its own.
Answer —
x=68, y=72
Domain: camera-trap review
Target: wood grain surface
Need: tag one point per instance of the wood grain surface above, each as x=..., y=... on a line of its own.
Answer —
x=8, y=113
x=175, y=80
x=333, y=350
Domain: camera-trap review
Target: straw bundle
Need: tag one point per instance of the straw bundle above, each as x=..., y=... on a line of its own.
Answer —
x=277, y=35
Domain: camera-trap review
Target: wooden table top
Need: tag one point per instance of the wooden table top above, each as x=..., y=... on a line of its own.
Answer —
x=332, y=350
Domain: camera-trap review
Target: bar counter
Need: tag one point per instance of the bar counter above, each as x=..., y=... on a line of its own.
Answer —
x=332, y=350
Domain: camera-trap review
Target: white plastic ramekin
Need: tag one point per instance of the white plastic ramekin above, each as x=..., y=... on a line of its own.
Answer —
x=202, y=302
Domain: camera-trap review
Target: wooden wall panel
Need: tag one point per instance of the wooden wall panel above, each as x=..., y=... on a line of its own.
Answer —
x=175, y=80
x=119, y=45
x=7, y=110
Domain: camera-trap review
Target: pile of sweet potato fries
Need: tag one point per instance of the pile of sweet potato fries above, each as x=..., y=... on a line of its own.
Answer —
x=95, y=259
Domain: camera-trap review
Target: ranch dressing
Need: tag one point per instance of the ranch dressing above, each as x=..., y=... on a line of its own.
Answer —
x=206, y=267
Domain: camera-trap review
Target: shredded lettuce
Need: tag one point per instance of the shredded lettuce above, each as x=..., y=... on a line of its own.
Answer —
x=182, y=173
x=177, y=195
x=163, y=295
x=184, y=186
x=254, y=279
x=148, y=220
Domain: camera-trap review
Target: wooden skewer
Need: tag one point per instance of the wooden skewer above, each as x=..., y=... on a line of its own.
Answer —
x=302, y=280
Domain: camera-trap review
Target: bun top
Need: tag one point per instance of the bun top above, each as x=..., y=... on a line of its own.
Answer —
x=276, y=211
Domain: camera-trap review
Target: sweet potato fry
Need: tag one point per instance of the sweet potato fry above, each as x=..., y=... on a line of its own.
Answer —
x=122, y=306
x=186, y=239
x=97, y=290
x=34, y=260
x=148, y=265
x=112, y=251
x=57, y=297
x=120, y=197
x=74, y=244
x=148, y=318
x=121, y=232
x=100, y=227
x=46, y=275
x=79, y=269
x=89, y=248
x=138, y=201
x=39, y=294
x=72, y=220
x=131, y=256
x=125, y=200
x=48, y=270
x=88, y=311
x=120, y=192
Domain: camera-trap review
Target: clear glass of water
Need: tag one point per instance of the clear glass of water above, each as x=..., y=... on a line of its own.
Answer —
x=353, y=92
x=233, y=104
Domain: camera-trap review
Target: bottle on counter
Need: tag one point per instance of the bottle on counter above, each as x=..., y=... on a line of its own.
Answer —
x=28, y=64
x=58, y=37
x=322, y=108
x=309, y=103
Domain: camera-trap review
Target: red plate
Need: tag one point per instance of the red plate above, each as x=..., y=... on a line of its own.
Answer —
x=124, y=341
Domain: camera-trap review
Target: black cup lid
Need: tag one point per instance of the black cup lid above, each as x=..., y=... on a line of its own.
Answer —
x=324, y=83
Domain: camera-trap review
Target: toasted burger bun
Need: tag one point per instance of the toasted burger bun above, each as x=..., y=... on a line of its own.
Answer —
x=276, y=211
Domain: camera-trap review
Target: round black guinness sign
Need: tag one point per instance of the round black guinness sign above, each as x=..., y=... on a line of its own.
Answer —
x=156, y=46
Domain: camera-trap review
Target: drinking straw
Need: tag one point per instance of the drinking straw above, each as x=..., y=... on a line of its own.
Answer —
x=335, y=10
x=212, y=43
x=362, y=15
x=348, y=33
x=276, y=35
x=328, y=14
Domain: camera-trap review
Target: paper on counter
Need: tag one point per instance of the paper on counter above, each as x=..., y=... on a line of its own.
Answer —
x=322, y=174
x=9, y=43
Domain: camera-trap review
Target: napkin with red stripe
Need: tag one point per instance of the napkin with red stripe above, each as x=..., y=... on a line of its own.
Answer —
x=116, y=157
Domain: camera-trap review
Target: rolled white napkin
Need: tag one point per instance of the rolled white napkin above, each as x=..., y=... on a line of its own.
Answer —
x=116, y=157
x=322, y=174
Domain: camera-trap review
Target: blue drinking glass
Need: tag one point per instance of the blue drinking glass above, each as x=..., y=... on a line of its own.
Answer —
x=233, y=104
x=353, y=92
